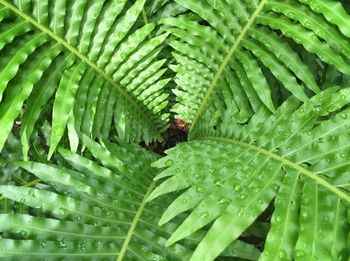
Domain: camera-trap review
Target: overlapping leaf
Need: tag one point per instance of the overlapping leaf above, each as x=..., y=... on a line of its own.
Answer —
x=94, y=208
x=95, y=211
x=244, y=54
x=229, y=176
x=249, y=75
x=94, y=60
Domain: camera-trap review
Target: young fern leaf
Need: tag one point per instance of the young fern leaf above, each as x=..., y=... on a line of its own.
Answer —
x=230, y=175
x=85, y=54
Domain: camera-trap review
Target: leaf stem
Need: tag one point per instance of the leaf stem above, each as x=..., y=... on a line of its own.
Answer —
x=134, y=222
x=130, y=99
x=228, y=57
x=288, y=163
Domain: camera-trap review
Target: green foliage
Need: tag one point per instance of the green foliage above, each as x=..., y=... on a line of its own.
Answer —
x=92, y=60
x=253, y=56
x=264, y=85
x=299, y=157
x=93, y=209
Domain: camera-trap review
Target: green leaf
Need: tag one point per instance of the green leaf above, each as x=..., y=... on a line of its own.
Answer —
x=256, y=58
x=106, y=43
x=227, y=178
x=63, y=105
x=92, y=213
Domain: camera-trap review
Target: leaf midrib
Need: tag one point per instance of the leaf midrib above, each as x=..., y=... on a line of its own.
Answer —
x=228, y=57
x=42, y=199
x=314, y=234
x=285, y=162
x=58, y=253
x=60, y=232
x=134, y=223
x=82, y=57
x=28, y=184
x=288, y=214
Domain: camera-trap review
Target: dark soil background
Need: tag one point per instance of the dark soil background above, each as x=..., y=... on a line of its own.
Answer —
x=177, y=133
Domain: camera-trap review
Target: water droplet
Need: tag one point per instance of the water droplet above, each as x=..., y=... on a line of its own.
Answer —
x=184, y=201
x=23, y=233
x=82, y=245
x=306, y=200
x=204, y=214
x=299, y=253
x=43, y=244
x=157, y=258
x=243, y=196
x=306, y=215
x=240, y=211
x=63, y=245
x=169, y=163
x=198, y=176
x=199, y=189
x=224, y=201
x=31, y=193
x=109, y=213
x=278, y=219
x=218, y=183
x=282, y=254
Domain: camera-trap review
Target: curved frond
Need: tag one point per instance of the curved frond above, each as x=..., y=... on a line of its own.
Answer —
x=97, y=64
x=94, y=209
x=254, y=62
x=229, y=176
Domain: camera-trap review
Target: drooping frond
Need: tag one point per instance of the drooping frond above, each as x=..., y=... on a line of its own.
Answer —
x=93, y=208
x=244, y=54
x=297, y=156
x=93, y=59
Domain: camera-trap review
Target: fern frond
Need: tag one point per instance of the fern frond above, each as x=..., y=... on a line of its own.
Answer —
x=234, y=70
x=93, y=208
x=229, y=176
x=94, y=58
x=94, y=211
